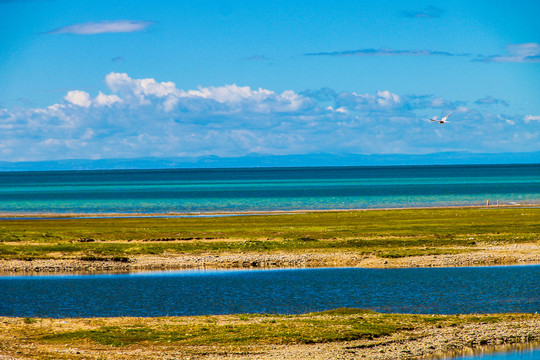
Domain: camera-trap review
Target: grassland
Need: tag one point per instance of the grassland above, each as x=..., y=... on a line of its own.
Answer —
x=383, y=233
x=343, y=333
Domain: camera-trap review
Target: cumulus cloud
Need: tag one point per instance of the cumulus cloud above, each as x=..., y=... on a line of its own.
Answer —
x=92, y=28
x=145, y=117
x=517, y=53
x=386, y=52
x=222, y=99
x=79, y=98
x=106, y=100
x=139, y=88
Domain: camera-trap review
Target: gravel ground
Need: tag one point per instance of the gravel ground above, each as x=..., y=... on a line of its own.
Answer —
x=424, y=343
x=493, y=255
x=432, y=343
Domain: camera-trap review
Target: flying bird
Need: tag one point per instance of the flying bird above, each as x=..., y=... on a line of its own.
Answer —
x=441, y=121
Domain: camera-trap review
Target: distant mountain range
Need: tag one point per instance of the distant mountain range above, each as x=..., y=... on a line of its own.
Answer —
x=257, y=160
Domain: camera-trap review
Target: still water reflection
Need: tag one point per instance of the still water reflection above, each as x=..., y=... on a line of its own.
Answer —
x=526, y=352
x=285, y=291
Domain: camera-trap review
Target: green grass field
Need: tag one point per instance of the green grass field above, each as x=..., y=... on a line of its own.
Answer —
x=385, y=233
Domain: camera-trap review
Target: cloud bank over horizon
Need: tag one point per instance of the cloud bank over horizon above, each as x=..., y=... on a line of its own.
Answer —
x=144, y=117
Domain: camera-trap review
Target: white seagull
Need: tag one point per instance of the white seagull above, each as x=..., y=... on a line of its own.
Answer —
x=441, y=121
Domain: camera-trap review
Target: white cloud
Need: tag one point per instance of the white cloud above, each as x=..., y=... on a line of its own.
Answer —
x=518, y=53
x=228, y=98
x=145, y=117
x=92, y=28
x=341, y=110
x=383, y=100
x=524, y=50
x=80, y=98
x=106, y=100
x=230, y=93
x=531, y=118
x=387, y=99
x=140, y=88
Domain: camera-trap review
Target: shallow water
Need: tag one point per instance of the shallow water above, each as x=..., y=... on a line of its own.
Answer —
x=522, y=353
x=283, y=291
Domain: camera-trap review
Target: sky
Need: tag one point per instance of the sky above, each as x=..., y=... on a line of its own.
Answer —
x=126, y=79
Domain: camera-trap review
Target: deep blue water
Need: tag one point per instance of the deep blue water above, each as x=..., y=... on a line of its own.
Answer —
x=284, y=291
x=266, y=189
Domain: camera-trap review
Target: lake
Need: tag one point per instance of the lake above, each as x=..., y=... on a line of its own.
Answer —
x=520, y=353
x=283, y=291
x=265, y=189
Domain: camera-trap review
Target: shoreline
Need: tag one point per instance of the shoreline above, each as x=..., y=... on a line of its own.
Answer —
x=13, y=216
x=516, y=254
x=432, y=344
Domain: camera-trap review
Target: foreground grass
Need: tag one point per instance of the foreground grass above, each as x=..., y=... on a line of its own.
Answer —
x=385, y=233
x=45, y=338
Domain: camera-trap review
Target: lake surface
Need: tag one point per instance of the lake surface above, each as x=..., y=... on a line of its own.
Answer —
x=283, y=291
x=516, y=354
x=265, y=189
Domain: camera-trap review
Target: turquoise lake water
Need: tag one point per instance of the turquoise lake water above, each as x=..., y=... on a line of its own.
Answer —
x=266, y=189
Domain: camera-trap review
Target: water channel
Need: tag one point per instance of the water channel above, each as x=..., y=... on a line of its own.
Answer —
x=284, y=291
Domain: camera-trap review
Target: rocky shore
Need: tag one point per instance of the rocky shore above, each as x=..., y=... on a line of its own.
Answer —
x=439, y=343
x=421, y=342
x=488, y=255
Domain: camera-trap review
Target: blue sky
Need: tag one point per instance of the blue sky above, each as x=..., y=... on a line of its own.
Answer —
x=123, y=79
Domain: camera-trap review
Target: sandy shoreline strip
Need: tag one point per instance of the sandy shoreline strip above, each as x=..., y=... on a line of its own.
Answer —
x=46, y=215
